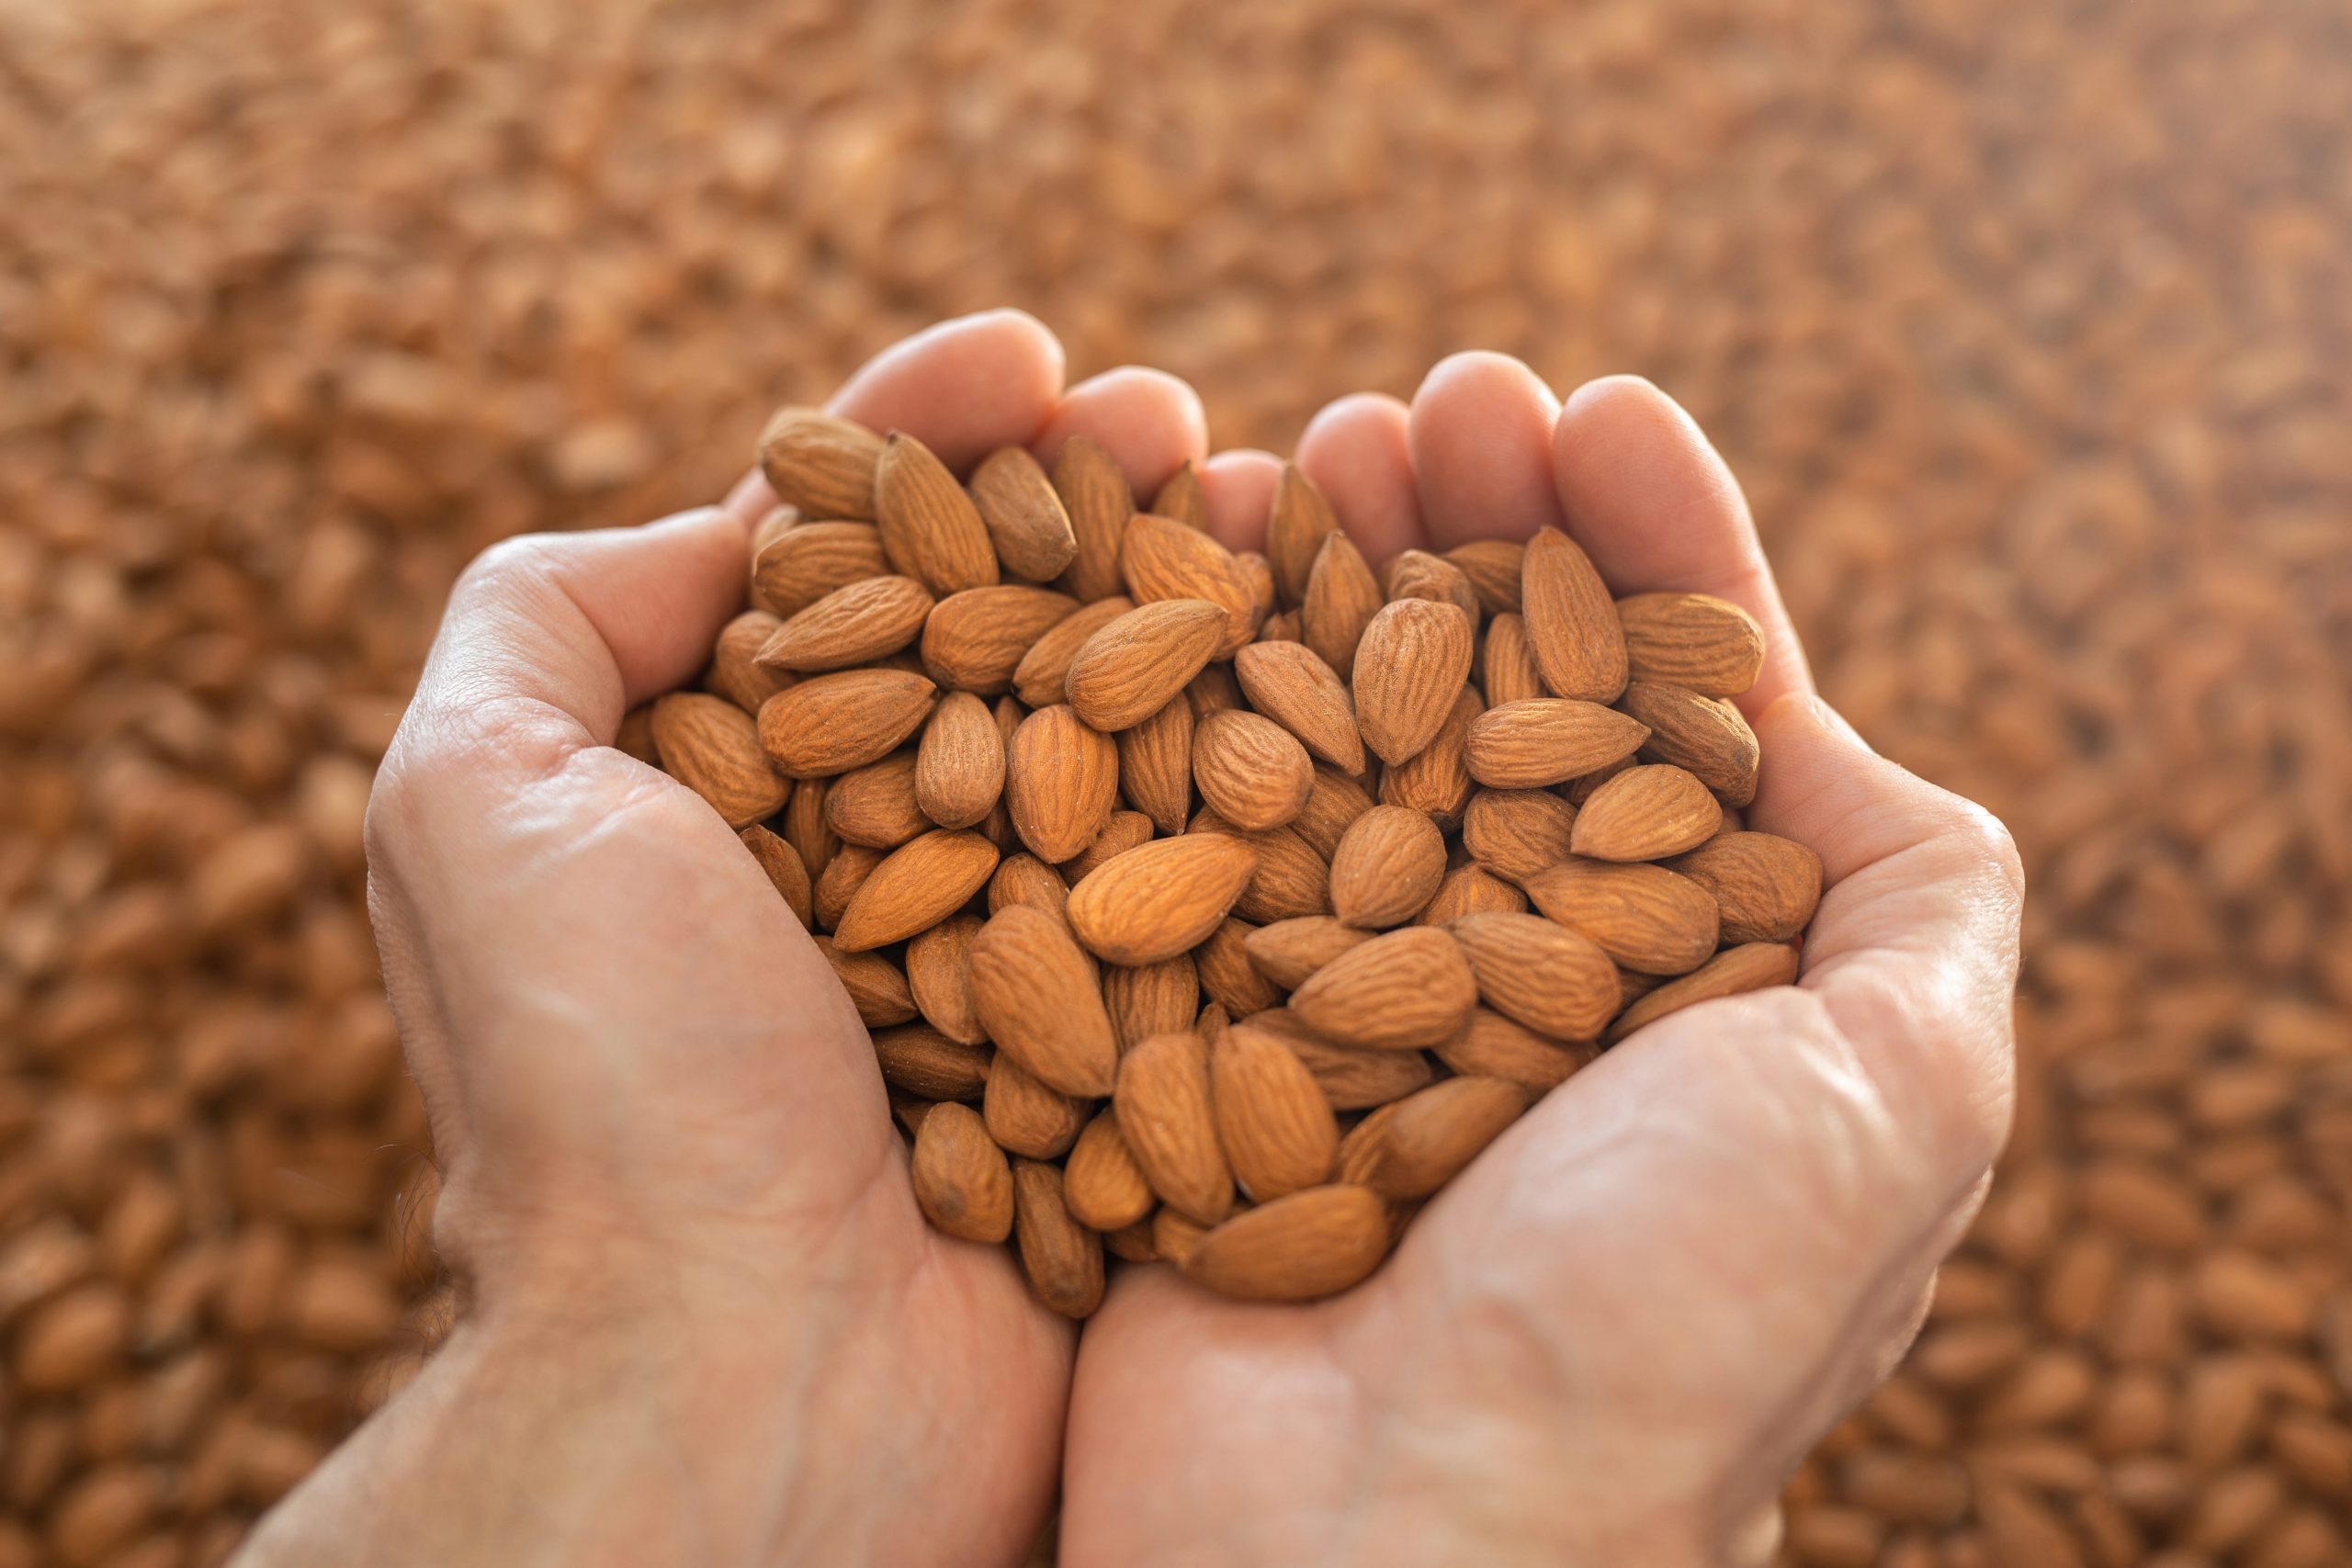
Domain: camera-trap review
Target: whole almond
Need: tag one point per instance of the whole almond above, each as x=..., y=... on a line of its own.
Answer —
x=785, y=873
x=822, y=464
x=845, y=874
x=1121, y=831
x=803, y=564
x=1438, y=781
x=1133, y=1243
x=1291, y=878
x=1507, y=662
x=1214, y=689
x=1025, y=518
x=1350, y=1079
x=1515, y=833
x=1173, y=1236
x=713, y=748
x=1493, y=1046
x=855, y=623
x=916, y=887
x=1580, y=789
x=1751, y=967
x=1426, y=1138
x=1160, y=559
x=779, y=520
x=1145, y=1000
x=1341, y=599
x=1160, y=898
x=1289, y=683
x=961, y=1180
x=960, y=762
x=875, y=804
x=1571, y=620
x=1062, y=1257
x=939, y=978
x=1331, y=808
x=735, y=671
x=1272, y=1122
x=1131, y=668
x=1709, y=645
x=1539, y=973
x=1388, y=867
x=635, y=736
x=1229, y=975
x=1644, y=916
x=1546, y=740
x=1409, y=988
x=1417, y=574
x=1705, y=736
x=919, y=1059
x=830, y=724
x=804, y=826
x=1765, y=886
x=1024, y=1116
x=1287, y=951
x=1163, y=1104
x=1493, y=568
x=1094, y=494
x=1283, y=627
x=1295, y=529
x=1264, y=598
x=1297, y=1248
x=1646, y=813
x=1042, y=678
x=1102, y=1185
x=930, y=528
x=1470, y=889
x=1251, y=769
x=1155, y=766
x=1181, y=497
x=976, y=640
x=1059, y=782
x=1410, y=666
x=1025, y=880
x=1039, y=1000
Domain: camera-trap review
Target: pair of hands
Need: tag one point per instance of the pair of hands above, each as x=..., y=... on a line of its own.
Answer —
x=706, y=1323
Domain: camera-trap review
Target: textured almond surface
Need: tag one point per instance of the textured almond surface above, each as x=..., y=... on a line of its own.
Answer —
x=1646, y=813
x=930, y=528
x=1386, y=868
x=1695, y=641
x=1766, y=887
x=855, y=623
x=830, y=724
x=1644, y=916
x=713, y=748
x=1061, y=776
x=1161, y=898
x=1572, y=624
x=1250, y=771
x=1039, y=999
x=1272, y=1122
x=1407, y=989
x=1295, y=1248
x=915, y=887
x=1538, y=973
x=1547, y=740
x=1410, y=664
x=1165, y=1116
x=961, y=1177
x=1129, y=668
x=822, y=464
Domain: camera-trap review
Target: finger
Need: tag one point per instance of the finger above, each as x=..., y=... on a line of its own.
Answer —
x=1357, y=453
x=1239, y=488
x=752, y=498
x=1482, y=450
x=963, y=388
x=1656, y=507
x=1149, y=420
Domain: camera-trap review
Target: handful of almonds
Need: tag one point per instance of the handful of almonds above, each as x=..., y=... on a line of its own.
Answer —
x=1248, y=896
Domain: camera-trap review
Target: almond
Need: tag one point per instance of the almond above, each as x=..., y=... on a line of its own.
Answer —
x=1644, y=916
x=1173, y=1236
x=1341, y=599
x=1181, y=497
x=830, y=724
x=1425, y=1139
x=1707, y=737
x=1160, y=898
x=1094, y=494
x=1163, y=1105
x=1580, y=789
x=1709, y=645
x=1131, y=668
x=1388, y=867
x=1287, y=951
x=1155, y=766
x=1227, y=974
x=785, y=873
x=930, y=528
x=1438, y=781
x=779, y=521
x=712, y=747
x=635, y=736
x=1263, y=599
x=1133, y=1243
x=845, y=874
x=919, y=885
x=1409, y=988
x=1026, y=524
x=804, y=564
x=1251, y=770
x=1025, y=880
x=1470, y=889
x=939, y=978
x=875, y=804
x=1295, y=529
x=1042, y=677
x=1282, y=627
x=959, y=764
x=1506, y=671
x=1162, y=559
x=1150, y=998
x=804, y=826
x=1214, y=689
x=1059, y=782
x=919, y=1059
x=1751, y=967
x=1538, y=973
x=1516, y=833
x=1290, y=879
x=1102, y=1185
x=735, y=671
x=961, y=1180
x=1493, y=568
x=1547, y=740
x=1571, y=621
x=1417, y=574
x=1038, y=998
x=1289, y=683
x=1298, y=1247
x=1646, y=813
x=1410, y=666
x=1332, y=806
x=976, y=640
x=1350, y=1079
x=1024, y=1116
x=1062, y=1257
x=1493, y=1046
x=1765, y=886
x=822, y=464
x=1272, y=1122
x=1123, y=831
x=855, y=623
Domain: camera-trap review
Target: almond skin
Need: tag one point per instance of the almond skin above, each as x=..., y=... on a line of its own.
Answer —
x=1646, y=918
x=1041, y=679
x=1150, y=998
x=974, y=640
x=785, y=873
x=804, y=826
x=1024, y=1116
x=1160, y=559
x=1163, y=1105
x=1516, y=833
x=1425, y=1139
x=1227, y=974
x=939, y=978
x=1214, y=689
x=1646, y=813
x=1062, y=1257
x=1095, y=497
x=845, y=874
x=1289, y=683
x=1276, y=1129
x=1350, y=1079
x=1493, y=1046
x=856, y=624
x=1410, y=666
x=1538, y=973
x=830, y=724
x=1765, y=886
x=1290, y=879
x=1251, y=770
x=712, y=747
x=1287, y=951
x=1025, y=880
x=1297, y=1248
x=1417, y=574
x=1038, y=998
x=875, y=988
x=822, y=464
x=803, y=564
x=1705, y=736
x=1695, y=641
x=875, y=804
x=1182, y=499
x=1341, y=601
x=1332, y=806
x=959, y=764
x=1506, y=671
x=1571, y=620
x=735, y=671
x=1131, y=668
x=1295, y=529
x=919, y=1059
x=1438, y=781
x=1751, y=967
x=915, y=887
x=1123, y=831
x=1160, y=898
x=1102, y=1185
x=961, y=1180
x=1060, y=780
x=1025, y=518
x=1388, y=867
x=1547, y=740
x=1155, y=766
x=930, y=528
x=1494, y=568
x=1409, y=988
x=1471, y=889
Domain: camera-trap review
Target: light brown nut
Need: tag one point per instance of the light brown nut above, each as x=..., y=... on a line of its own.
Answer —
x=1539, y=973
x=1547, y=740
x=785, y=873
x=804, y=563
x=1571, y=621
x=1493, y=1046
x=1026, y=524
x=1040, y=1001
x=822, y=464
x=962, y=1181
x=830, y=724
x=1024, y=1116
x=1291, y=685
x=1041, y=679
x=1341, y=599
x=1155, y=766
x=1709, y=645
x=1165, y=1115
x=1516, y=833
x=1409, y=988
x=1765, y=886
x=1251, y=771
x=876, y=805
x=1646, y=813
x=1425, y=1139
x=1094, y=494
x=1160, y=898
x=1130, y=668
x=959, y=762
x=976, y=640
x=1708, y=737
x=1060, y=780
x=1062, y=1257
x=1102, y=1183
x=930, y=528
x=1410, y=666
x=1287, y=951
x=939, y=977
x=1160, y=559
x=1295, y=529
x=1646, y=918
x=1751, y=967
x=1273, y=1122
x=713, y=748
x=917, y=885
x=1388, y=867
x=856, y=624
x=1298, y=1247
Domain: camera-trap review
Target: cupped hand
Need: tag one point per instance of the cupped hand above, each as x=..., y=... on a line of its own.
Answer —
x=1611, y=1339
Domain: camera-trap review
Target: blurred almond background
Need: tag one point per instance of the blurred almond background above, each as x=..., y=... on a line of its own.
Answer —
x=2024, y=325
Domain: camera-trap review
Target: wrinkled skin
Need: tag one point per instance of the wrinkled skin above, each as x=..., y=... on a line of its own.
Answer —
x=706, y=1323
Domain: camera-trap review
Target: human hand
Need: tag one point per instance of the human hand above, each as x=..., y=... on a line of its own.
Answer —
x=1614, y=1335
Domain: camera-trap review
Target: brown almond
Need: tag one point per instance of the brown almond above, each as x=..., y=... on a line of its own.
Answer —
x=830, y=724
x=1506, y=671
x=1580, y=789
x=1123, y=831
x=1025, y=880
x=1306, y=1245
x=1470, y=889
x=1571, y=620
x=803, y=564
x=713, y=748
x=930, y=528
x=1251, y=770
x=1024, y=1116
x=635, y=736
x=779, y=521
x=1181, y=497
x=1350, y=1079
x=1059, y=782
x=1751, y=967
x=1646, y=813
x=1341, y=599
x=1709, y=645
x=1229, y=975
x=1425, y=1139
x=1765, y=886
x=961, y=1179
x=1644, y=916
x=1295, y=529
x=1130, y=669
x=1162, y=559
x=1287, y=951
x=1493, y=1046
x=845, y=871
x=1155, y=766
x=1102, y=1185
x=1388, y=867
x=1283, y=627
x=822, y=464
x=1026, y=524
x=1160, y=898
x=1331, y=808
x=916, y=887
x=1165, y=1115
x=1417, y=574
x=1134, y=1243
x=1039, y=1000
x=919, y=1059
x=1493, y=568
x=1290, y=879
x=960, y=762
x=939, y=978
x=1705, y=736
x=875, y=804
x=1539, y=973
x=1145, y=1000
x=1410, y=666
x=1438, y=781
x=1515, y=833
x=1173, y=1236
x=1214, y=689
x=858, y=624
x=1263, y=599
x=785, y=873
x=804, y=826
x=976, y=640
x=735, y=671
x=1062, y=1257
x=1042, y=677
x=1409, y=988
x=1276, y=1128
x=1289, y=683
x=1547, y=740
x=1094, y=494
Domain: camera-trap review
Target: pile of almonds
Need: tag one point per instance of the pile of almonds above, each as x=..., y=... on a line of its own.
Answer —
x=1209, y=874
